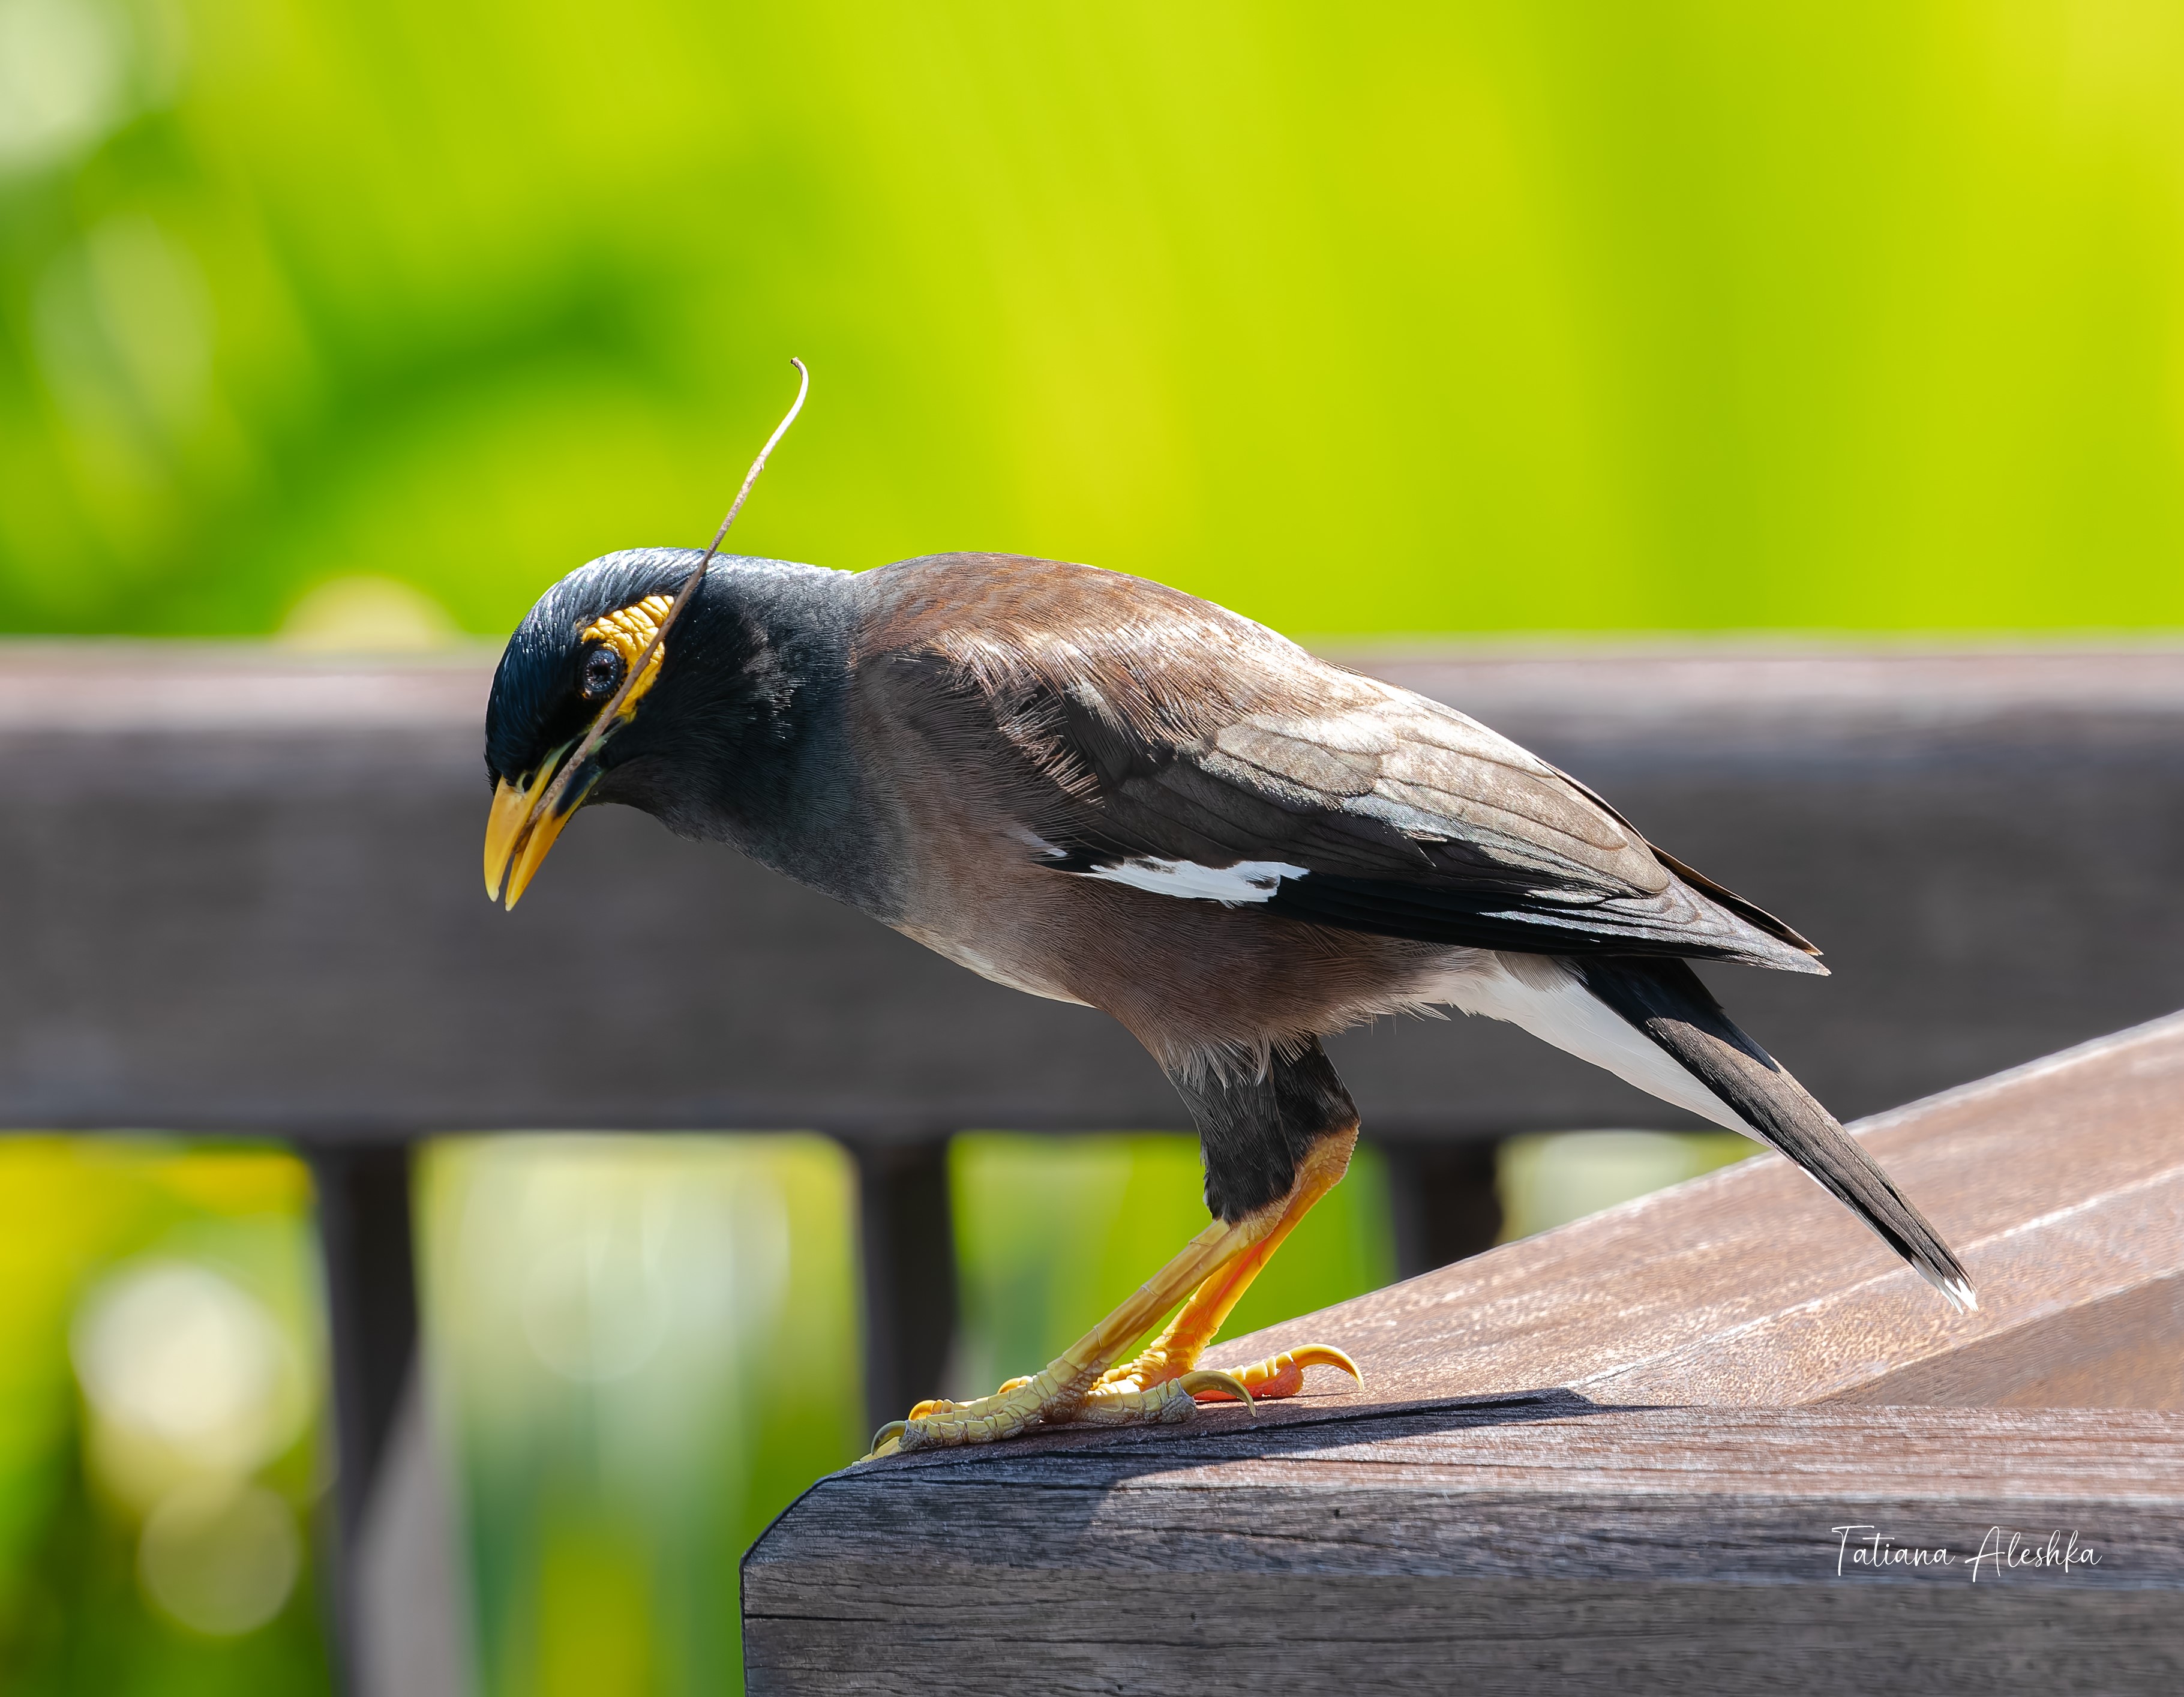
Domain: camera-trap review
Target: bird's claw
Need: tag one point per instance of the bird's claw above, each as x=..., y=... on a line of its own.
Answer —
x=884, y=1440
x=1212, y=1385
x=1283, y=1374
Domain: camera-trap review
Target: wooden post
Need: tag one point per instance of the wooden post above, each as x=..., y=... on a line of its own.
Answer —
x=1444, y=1202
x=366, y=1249
x=906, y=1232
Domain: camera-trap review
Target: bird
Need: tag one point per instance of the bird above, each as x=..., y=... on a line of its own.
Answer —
x=1093, y=787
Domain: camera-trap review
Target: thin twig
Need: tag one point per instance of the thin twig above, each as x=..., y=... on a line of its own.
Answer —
x=551, y=800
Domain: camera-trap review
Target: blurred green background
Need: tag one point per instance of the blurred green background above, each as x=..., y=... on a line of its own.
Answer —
x=362, y=323
x=1436, y=317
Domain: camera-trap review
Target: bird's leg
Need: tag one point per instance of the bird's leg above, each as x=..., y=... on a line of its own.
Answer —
x=1061, y=1386
x=1212, y=1271
x=1176, y=1350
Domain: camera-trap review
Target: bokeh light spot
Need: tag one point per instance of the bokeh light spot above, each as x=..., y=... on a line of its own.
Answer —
x=61, y=82
x=367, y=613
x=219, y=1559
x=187, y=1374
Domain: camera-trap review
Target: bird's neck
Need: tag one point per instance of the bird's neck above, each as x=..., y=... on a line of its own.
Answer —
x=791, y=794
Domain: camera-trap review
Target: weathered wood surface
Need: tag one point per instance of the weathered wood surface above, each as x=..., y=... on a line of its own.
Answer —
x=247, y=898
x=1520, y=1548
x=1516, y=1503
x=2060, y=1184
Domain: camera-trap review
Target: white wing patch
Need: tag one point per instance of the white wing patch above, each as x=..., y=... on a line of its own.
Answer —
x=1247, y=880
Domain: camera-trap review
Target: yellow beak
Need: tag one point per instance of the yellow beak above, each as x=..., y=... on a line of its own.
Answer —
x=517, y=835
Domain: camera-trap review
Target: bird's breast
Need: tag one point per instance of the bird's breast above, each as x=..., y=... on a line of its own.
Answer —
x=988, y=963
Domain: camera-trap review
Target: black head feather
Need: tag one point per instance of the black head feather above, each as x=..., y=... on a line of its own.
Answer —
x=538, y=703
x=747, y=667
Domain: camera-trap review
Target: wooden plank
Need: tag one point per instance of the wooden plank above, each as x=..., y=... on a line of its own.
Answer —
x=1632, y=1454
x=248, y=900
x=1525, y=1548
x=2061, y=1185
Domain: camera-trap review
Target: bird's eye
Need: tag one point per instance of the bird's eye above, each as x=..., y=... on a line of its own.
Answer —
x=601, y=675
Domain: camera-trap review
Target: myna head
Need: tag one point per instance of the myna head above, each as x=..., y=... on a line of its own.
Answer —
x=559, y=719
x=588, y=687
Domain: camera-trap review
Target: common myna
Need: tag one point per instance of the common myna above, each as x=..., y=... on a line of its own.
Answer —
x=1094, y=788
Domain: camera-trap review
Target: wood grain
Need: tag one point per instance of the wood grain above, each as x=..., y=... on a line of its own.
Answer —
x=1523, y=1548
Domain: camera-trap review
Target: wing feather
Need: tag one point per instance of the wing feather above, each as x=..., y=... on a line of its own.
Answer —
x=1143, y=725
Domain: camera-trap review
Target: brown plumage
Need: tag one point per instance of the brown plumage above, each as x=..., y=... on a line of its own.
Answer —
x=1040, y=716
x=1095, y=788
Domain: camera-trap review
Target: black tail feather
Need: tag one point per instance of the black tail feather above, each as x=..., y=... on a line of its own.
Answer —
x=1665, y=1000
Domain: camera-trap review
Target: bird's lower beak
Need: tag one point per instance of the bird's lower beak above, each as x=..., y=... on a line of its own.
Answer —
x=518, y=830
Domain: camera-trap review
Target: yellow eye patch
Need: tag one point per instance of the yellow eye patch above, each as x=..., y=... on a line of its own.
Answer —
x=627, y=633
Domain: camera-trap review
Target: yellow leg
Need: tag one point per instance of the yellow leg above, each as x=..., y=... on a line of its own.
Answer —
x=1176, y=1350
x=1213, y=1269
x=1062, y=1385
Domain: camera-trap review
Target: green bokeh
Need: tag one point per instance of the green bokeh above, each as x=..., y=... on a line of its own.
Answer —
x=1440, y=317
x=643, y=1349
x=76, y=1216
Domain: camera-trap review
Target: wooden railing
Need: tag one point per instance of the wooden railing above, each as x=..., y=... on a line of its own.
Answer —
x=1717, y=1439
x=248, y=900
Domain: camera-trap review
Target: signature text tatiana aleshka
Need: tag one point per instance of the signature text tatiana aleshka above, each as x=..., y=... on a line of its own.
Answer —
x=2000, y=1551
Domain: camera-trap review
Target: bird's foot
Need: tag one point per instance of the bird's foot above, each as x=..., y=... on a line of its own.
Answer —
x=1058, y=1396
x=1165, y=1382
x=1018, y=1405
x=1278, y=1376
x=1170, y=1403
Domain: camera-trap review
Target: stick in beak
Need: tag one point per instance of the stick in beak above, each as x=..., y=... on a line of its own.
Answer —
x=526, y=817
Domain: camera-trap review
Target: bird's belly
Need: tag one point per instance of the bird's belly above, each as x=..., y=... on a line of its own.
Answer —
x=1014, y=975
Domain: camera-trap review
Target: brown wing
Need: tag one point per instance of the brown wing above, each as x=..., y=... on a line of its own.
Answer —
x=1154, y=738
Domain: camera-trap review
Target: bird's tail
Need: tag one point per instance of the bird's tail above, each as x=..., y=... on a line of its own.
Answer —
x=1664, y=999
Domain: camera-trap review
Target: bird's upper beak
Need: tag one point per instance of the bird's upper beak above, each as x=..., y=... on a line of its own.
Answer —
x=528, y=814
x=519, y=829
